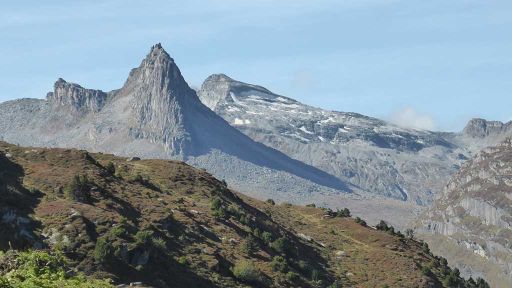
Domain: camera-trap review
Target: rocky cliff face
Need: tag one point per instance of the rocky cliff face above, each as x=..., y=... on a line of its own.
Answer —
x=475, y=210
x=157, y=115
x=481, y=128
x=380, y=158
x=157, y=92
x=75, y=97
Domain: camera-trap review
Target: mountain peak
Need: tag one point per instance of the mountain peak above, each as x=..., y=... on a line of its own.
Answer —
x=158, y=51
x=480, y=128
x=158, y=92
x=219, y=78
x=74, y=96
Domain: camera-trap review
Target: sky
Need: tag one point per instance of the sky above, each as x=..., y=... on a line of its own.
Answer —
x=423, y=64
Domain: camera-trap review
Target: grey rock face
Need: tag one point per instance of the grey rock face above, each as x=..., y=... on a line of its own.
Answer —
x=475, y=209
x=74, y=96
x=481, y=128
x=157, y=115
x=376, y=156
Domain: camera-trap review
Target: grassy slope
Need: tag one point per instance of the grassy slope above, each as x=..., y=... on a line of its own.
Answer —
x=190, y=244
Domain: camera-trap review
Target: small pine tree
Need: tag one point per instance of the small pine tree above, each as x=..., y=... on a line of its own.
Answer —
x=111, y=169
x=249, y=246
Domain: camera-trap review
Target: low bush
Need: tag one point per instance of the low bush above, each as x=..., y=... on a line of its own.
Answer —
x=43, y=270
x=246, y=271
x=279, y=264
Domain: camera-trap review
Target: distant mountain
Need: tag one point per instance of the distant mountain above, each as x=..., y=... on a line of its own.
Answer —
x=373, y=155
x=471, y=221
x=157, y=115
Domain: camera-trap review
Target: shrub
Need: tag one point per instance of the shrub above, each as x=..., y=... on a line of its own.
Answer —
x=45, y=270
x=450, y=281
x=304, y=267
x=183, y=260
x=279, y=264
x=481, y=283
x=256, y=232
x=218, y=209
x=425, y=248
x=409, y=233
x=315, y=275
x=111, y=169
x=281, y=245
x=246, y=271
x=360, y=221
x=102, y=250
x=249, y=246
x=159, y=243
x=138, y=178
x=220, y=213
x=383, y=226
x=336, y=284
x=292, y=276
x=271, y=202
x=77, y=189
x=267, y=237
x=426, y=271
x=313, y=205
x=119, y=231
x=143, y=237
x=343, y=213
x=216, y=203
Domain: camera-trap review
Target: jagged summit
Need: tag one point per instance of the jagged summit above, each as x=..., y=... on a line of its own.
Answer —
x=73, y=96
x=480, y=128
x=157, y=68
x=157, y=115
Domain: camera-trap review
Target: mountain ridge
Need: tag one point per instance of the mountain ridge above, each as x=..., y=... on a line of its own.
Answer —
x=374, y=155
x=157, y=115
x=474, y=214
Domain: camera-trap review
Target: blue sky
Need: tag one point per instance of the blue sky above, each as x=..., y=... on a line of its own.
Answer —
x=431, y=64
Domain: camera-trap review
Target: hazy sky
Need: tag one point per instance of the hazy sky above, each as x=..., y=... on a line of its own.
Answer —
x=431, y=64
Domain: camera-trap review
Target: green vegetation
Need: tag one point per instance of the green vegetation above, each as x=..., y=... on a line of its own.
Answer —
x=279, y=264
x=184, y=229
x=345, y=212
x=111, y=168
x=77, y=189
x=102, y=250
x=183, y=260
x=246, y=271
x=249, y=246
x=143, y=237
x=282, y=245
x=271, y=202
x=292, y=276
x=41, y=269
x=360, y=221
x=267, y=237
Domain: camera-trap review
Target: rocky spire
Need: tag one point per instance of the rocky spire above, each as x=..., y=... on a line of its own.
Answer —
x=158, y=95
x=75, y=97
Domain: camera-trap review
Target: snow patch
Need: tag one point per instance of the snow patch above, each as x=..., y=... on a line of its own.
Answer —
x=239, y=121
x=305, y=130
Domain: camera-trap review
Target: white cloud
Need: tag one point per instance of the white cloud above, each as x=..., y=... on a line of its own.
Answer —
x=410, y=118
